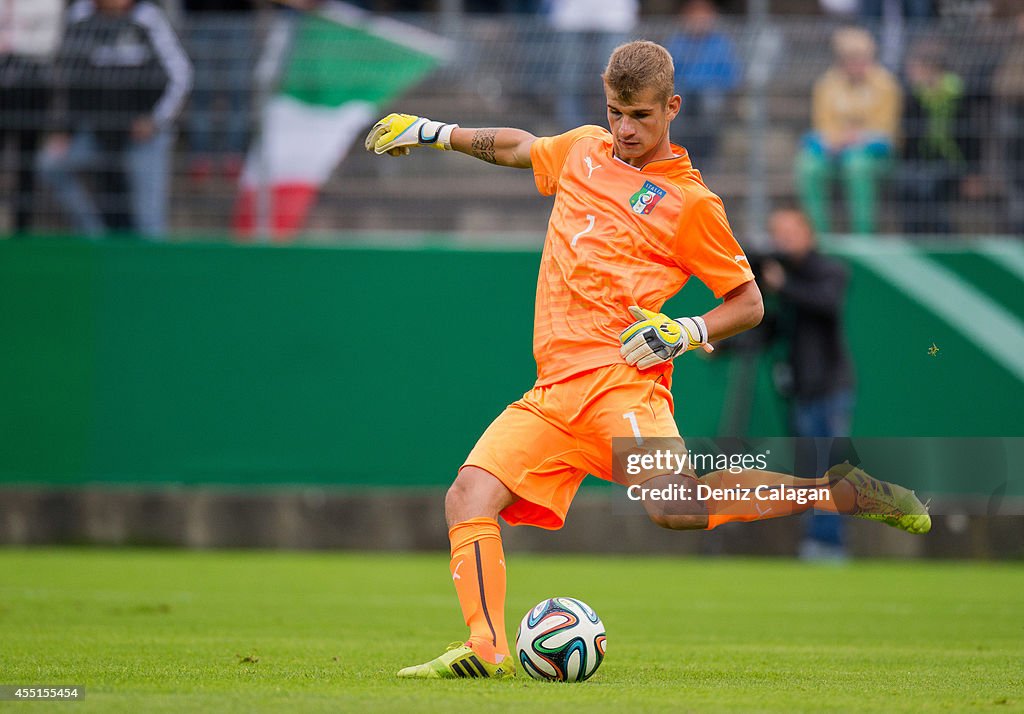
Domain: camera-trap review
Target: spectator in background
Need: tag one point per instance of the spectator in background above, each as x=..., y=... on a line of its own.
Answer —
x=1008, y=91
x=707, y=70
x=893, y=21
x=122, y=78
x=856, y=114
x=817, y=373
x=29, y=36
x=940, y=150
x=221, y=42
x=588, y=31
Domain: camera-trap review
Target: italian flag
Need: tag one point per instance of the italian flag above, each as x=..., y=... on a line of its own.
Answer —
x=337, y=68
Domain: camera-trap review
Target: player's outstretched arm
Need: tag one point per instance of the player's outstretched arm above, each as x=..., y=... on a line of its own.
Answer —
x=398, y=134
x=505, y=147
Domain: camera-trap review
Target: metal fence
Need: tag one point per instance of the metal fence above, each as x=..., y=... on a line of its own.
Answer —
x=956, y=164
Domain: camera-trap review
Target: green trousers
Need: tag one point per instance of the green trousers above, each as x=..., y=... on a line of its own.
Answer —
x=860, y=170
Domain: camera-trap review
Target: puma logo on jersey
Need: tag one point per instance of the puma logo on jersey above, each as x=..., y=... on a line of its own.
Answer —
x=738, y=258
x=591, y=167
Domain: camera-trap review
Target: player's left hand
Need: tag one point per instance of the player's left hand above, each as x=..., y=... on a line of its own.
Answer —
x=396, y=134
x=656, y=338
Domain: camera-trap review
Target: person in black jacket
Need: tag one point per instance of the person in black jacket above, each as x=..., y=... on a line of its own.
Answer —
x=818, y=371
x=122, y=78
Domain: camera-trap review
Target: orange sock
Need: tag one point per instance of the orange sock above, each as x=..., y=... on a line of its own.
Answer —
x=745, y=506
x=478, y=571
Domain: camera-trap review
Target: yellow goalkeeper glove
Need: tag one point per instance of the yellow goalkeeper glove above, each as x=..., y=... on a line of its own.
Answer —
x=656, y=338
x=396, y=134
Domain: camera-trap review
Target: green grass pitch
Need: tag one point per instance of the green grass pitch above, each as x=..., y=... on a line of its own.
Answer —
x=179, y=631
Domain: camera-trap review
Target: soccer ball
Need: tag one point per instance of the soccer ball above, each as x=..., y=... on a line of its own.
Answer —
x=561, y=639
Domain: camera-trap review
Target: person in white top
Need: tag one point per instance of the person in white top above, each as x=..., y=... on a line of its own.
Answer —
x=121, y=82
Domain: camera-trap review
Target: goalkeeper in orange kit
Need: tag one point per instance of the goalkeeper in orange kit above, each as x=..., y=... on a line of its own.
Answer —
x=631, y=222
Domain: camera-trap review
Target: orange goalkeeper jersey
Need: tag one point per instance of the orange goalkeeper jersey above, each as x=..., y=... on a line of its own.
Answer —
x=619, y=236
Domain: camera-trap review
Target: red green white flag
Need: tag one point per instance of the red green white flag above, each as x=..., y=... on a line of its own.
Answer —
x=338, y=69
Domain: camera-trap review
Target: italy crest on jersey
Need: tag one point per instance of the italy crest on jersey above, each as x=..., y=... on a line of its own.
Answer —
x=644, y=200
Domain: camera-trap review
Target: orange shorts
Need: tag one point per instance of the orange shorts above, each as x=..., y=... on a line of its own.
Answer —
x=543, y=446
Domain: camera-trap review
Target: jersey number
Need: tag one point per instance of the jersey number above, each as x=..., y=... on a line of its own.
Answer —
x=631, y=416
x=590, y=227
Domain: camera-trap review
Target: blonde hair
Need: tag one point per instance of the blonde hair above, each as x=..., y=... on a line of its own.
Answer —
x=637, y=66
x=853, y=42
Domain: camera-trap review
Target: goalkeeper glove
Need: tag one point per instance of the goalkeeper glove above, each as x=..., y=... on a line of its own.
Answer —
x=396, y=134
x=656, y=339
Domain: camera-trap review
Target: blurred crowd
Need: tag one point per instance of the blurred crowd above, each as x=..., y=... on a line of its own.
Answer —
x=91, y=96
x=101, y=99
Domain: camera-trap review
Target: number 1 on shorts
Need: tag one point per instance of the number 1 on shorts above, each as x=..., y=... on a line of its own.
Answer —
x=631, y=416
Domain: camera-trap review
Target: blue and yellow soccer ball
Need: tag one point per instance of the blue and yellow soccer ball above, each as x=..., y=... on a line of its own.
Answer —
x=561, y=639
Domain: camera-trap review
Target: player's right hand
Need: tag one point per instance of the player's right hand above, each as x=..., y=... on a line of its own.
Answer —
x=396, y=134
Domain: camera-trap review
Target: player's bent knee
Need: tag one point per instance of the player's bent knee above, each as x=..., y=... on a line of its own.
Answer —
x=475, y=493
x=458, y=501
